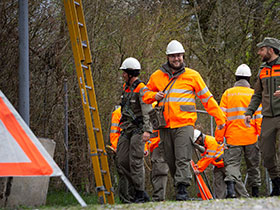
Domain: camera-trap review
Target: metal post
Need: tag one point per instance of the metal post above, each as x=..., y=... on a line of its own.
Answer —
x=23, y=61
x=246, y=179
x=66, y=128
x=268, y=183
x=211, y=120
x=212, y=127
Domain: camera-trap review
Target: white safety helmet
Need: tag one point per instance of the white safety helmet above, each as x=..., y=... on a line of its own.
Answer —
x=174, y=47
x=131, y=64
x=243, y=70
x=197, y=133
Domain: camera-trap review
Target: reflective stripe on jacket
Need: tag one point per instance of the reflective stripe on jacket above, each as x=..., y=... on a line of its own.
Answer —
x=213, y=154
x=180, y=106
x=234, y=103
x=267, y=83
x=115, y=128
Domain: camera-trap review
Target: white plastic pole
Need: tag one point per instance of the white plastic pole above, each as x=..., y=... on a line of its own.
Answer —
x=73, y=190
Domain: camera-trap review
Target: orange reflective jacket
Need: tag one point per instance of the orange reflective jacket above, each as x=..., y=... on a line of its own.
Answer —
x=116, y=132
x=234, y=103
x=115, y=128
x=154, y=140
x=179, y=105
x=213, y=154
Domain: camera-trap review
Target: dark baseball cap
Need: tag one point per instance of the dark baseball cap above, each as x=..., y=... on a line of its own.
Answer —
x=270, y=42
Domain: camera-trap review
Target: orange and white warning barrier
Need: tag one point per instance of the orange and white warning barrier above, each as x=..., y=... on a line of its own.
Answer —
x=205, y=193
x=21, y=153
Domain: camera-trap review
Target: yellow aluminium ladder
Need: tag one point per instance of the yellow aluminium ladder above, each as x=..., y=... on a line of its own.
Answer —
x=82, y=56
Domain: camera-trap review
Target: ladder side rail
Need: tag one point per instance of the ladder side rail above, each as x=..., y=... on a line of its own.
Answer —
x=100, y=139
x=72, y=33
x=71, y=12
x=93, y=103
x=98, y=131
x=76, y=52
x=90, y=132
x=84, y=35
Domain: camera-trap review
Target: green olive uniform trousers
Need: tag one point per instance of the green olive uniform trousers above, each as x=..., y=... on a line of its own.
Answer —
x=130, y=158
x=178, y=152
x=269, y=145
x=159, y=174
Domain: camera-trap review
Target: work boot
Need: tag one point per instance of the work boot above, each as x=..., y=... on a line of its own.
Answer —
x=230, y=189
x=276, y=187
x=139, y=196
x=255, y=192
x=182, y=193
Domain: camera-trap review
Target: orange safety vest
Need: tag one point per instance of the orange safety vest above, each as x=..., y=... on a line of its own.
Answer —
x=270, y=72
x=116, y=132
x=213, y=154
x=154, y=140
x=234, y=103
x=180, y=106
x=115, y=128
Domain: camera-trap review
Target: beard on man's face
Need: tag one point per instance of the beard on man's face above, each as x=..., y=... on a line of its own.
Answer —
x=267, y=57
x=175, y=67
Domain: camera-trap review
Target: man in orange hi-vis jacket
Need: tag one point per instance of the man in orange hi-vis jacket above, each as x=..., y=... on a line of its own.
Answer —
x=180, y=115
x=240, y=138
x=214, y=154
x=115, y=131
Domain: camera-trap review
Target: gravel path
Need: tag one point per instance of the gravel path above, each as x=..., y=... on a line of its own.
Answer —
x=229, y=204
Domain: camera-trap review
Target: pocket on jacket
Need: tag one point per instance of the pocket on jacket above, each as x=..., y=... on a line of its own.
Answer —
x=187, y=108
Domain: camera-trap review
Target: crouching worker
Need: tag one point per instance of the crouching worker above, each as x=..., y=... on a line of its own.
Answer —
x=213, y=154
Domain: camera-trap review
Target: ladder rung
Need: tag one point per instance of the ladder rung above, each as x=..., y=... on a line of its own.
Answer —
x=77, y=3
x=94, y=154
x=92, y=108
x=107, y=193
x=99, y=150
x=96, y=129
x=84, y=66
x=103, y=171
x=84, y=43
x=88, y=87
x=80, y=24
x=100, y=188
